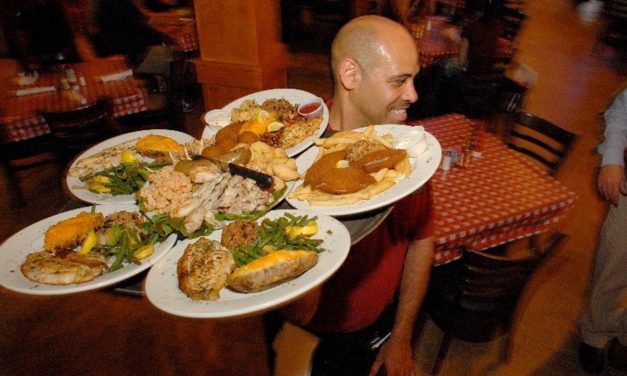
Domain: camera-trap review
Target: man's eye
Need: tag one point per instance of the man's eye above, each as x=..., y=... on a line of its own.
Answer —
x=399, y=83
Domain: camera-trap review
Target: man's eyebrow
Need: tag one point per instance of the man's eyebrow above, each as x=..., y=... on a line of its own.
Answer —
x=403, y=76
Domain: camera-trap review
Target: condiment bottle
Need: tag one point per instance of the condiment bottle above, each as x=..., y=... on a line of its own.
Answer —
x=71, y=76
x=479, y=139
x=466, y=155
x=446, y=160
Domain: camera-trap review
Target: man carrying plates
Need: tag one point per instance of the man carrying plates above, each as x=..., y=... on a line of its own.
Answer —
x=380, y=287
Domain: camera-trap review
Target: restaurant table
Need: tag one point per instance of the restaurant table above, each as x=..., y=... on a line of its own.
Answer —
x=18, y=114
x=500, y=197
x=433, y=46
x=178, y=25
x=435, y=50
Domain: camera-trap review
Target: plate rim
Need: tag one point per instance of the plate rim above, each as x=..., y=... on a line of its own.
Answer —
x=9, y=252
x=348, y=210
x=163, y=266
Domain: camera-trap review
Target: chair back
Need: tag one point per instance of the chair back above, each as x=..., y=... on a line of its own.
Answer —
x=539, y=139
x=472, y=297
x=513, y=20
x=80, y=128
x=475, y=298
x=23, y=155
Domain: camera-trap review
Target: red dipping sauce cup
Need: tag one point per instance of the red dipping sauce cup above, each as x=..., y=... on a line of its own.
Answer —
x=311, y=110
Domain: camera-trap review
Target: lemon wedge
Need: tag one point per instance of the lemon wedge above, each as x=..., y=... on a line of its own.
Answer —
x=342, y=164
x=143, y=252
x=99, y=188
x=100, y=179
x=128, y=157
x=89, y=243
x=275, y=126
x=311, y=228
x=262, y=116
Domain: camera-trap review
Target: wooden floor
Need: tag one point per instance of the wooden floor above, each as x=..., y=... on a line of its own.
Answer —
x=102, y=333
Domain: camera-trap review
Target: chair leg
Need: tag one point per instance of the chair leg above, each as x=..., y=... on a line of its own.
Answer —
x=13, y=185
x=444, y=346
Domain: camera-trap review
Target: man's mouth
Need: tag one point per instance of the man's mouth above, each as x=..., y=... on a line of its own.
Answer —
x=399, y=112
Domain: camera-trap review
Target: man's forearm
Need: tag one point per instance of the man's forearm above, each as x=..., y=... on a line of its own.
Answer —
x=415, y=280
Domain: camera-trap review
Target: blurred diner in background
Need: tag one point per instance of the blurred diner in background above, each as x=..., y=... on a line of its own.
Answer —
x=512, y=90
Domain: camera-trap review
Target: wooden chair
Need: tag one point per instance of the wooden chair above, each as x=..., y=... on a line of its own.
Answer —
x=75, y=130
x=475, y=298
x=513, y=20
x=23, y=155
x=539, y=139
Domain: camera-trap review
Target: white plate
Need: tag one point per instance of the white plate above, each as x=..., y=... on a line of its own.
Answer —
x=423, y=167
x=74, y=185
x=31, y=239
x=295, y=97
x=162, y=282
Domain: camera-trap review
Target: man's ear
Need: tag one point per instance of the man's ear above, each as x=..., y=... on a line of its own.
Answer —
x=350, y=73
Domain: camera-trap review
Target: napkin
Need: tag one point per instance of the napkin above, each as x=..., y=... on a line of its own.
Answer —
x=34, y=90
x=117, y=76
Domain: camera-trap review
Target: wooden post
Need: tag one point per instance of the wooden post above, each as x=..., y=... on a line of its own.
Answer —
x=240, y=49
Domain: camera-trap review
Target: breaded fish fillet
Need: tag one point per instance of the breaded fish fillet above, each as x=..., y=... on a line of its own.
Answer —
x=203, y=269
x=63, y=268
x=71, y=232
x=156, y=145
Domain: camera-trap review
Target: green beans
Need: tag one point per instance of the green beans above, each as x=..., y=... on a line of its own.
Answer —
x=273, y=235
x=121, y=242
x=123, y=179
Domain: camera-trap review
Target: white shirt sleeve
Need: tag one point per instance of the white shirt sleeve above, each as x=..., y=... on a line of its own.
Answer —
x=613, y=146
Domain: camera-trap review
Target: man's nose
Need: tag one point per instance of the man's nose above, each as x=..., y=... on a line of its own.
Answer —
x=410, y=94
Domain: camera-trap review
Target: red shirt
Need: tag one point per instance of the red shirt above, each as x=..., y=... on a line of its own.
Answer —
x=356, y=295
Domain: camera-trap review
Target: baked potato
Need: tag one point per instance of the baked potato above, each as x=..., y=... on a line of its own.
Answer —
x=270, y=270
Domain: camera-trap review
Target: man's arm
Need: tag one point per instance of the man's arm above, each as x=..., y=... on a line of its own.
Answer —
x=611, y=181
x=397, y=354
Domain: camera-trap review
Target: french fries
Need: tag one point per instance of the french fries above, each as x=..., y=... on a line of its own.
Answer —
x=385, y=178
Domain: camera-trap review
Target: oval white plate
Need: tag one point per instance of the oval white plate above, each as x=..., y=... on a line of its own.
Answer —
x=74, y=185
x=294, y=96
x=424, y=166
x=14, y=250
x=162, y=281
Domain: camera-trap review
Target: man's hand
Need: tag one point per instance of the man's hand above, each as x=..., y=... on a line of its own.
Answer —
x=611, y=183
x=396, y=357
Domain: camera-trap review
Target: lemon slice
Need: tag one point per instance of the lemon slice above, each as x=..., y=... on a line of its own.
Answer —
x=143, y=252
x=342, y=164
x=274, y=126
x=128, y=157
x=89, y=243
x=262, y=116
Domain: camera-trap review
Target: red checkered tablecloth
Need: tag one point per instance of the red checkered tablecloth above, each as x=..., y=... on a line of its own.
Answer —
x=434, y=50
x=500, y=197
x=182, y=35
x=178, y=25
x=18, y=114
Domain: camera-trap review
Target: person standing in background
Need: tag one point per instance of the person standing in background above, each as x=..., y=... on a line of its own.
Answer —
x=604, y=321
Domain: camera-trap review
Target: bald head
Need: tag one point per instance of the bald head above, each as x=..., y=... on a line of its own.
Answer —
x=366, y=39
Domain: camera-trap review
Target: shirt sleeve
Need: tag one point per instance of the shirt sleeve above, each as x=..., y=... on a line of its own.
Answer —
x=613, y=146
